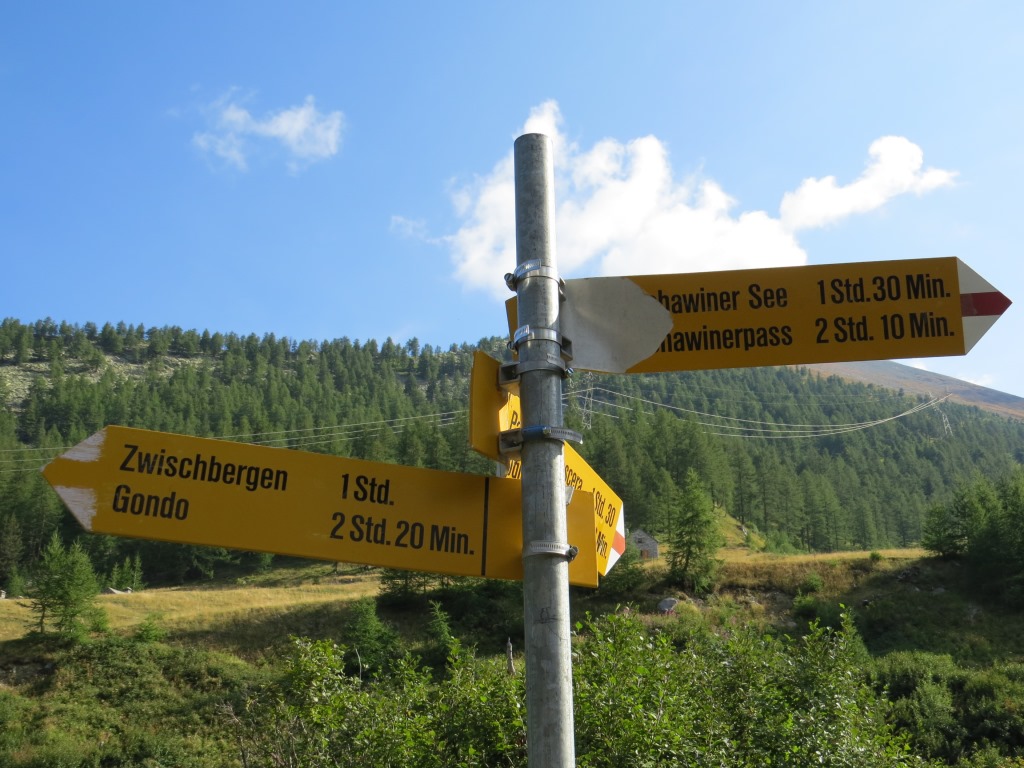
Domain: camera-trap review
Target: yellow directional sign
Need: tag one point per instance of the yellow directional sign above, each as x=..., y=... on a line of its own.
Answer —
x=191, y=490
x=492, y=410
x=813, y=314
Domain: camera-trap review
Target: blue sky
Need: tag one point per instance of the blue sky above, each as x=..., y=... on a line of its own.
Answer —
x=320, y=170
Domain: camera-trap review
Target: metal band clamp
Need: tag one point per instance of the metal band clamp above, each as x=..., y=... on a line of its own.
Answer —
x=551, y=433
x=533, y=268
x=511, y=440
x=526, y=333
x=551, y=549
x=508, y=375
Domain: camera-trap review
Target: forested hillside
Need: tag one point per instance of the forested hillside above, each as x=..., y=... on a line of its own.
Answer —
x=811, y=463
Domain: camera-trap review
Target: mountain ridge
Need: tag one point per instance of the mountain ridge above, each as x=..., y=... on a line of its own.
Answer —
x=893, y=375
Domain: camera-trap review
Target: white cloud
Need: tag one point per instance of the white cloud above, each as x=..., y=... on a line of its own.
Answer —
x=228, y=147
x=895, y=169
x=621, y=211
x=306, y=134
x=413, y=228
x=484, y=248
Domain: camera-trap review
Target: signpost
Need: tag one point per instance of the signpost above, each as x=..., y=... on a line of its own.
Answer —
x=787, y=315
x=661, y=323
x=192, y=490
x=151, y=485
x=492, y=410
x=541, y=351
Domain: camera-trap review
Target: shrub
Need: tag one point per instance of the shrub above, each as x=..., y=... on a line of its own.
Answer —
x=812, y=583
x=627, y=577
x=149, y=631
x=952, y=711
x=13, y=719
x=16, y=584
x=372, y=644
x=744, y=700
x=828, y=613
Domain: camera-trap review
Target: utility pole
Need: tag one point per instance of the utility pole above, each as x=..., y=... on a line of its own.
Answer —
x=542, y=356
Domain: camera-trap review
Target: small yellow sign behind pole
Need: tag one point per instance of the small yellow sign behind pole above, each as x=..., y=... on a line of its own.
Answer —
x=492, y=411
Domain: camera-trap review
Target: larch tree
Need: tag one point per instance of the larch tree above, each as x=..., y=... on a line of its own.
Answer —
x=695, y=536
x=64, y=589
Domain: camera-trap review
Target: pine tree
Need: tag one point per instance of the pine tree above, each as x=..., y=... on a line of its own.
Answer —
x=695, y=536
x=65, y=588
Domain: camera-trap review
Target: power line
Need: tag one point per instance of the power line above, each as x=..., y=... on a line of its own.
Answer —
x=309, y=437
x=294, y=438
x=767, y=429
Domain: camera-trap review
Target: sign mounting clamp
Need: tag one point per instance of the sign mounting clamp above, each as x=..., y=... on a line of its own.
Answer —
x=530, y=269
x=511, y=441
x=551, y=549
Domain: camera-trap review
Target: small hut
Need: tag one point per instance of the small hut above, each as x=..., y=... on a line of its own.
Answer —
x=645, y=543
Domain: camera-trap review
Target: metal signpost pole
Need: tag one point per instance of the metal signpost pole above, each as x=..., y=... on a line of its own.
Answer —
x=546, y=553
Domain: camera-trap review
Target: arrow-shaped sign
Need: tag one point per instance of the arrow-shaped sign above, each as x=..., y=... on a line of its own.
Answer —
x=192, y=490
x=492, y=410
x=787, y=315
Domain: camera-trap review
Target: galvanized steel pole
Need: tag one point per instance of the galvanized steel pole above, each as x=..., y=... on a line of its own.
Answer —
x=550, y=738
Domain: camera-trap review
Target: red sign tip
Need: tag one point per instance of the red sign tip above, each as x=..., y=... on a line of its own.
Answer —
x=983, y=304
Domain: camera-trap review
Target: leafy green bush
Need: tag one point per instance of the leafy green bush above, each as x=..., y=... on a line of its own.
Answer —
x=16, y=585
x=991, y=708
x=951, y=712
x=641, y=700
x=812, y=583
x=372, y=644
x=149, y=631
x=116, y=701
x=13, y=719
x=778, y=543
x=746, y=700
x=811, y=608
x=627, y=577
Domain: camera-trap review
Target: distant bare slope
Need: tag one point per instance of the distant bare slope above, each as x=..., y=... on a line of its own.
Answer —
x=885, y=373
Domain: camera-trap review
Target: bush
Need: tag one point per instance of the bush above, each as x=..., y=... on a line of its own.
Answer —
x=902, y=672
x=778, y=543
x=114, y=701
x=627, y=577
x=373, y=645
x=810, y=608
x=812, y=583
x=951, y=711
x=149, y=631
x=13, y=719
x=744, y=700
x=16, y=585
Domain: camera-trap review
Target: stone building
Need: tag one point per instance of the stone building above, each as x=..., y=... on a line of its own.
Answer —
x=645, y=543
